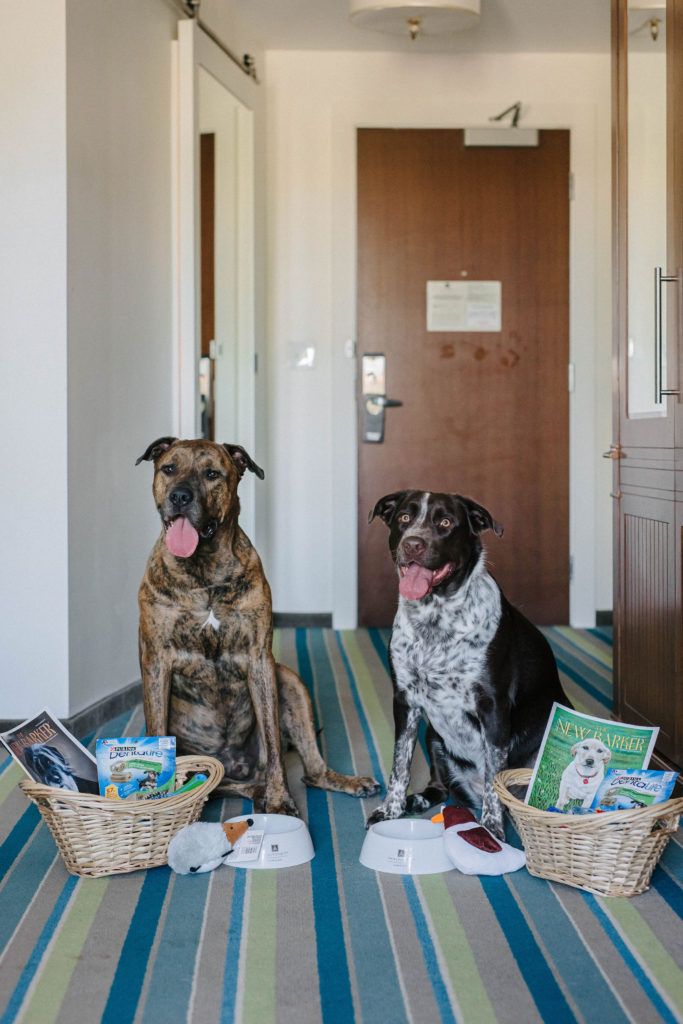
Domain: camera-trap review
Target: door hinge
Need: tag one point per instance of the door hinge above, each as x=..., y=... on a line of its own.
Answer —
x=571, y=568
x=571, y=186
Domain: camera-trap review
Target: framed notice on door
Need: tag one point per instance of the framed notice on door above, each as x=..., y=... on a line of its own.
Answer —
x=464, y=306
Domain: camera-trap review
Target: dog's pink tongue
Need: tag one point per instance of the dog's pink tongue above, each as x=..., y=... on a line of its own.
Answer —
x=181, y=538
x=416, y=583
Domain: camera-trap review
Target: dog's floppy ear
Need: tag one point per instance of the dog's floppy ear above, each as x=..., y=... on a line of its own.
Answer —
x=386, y=506
x=574, y=749
x=480, y=519
x=243, y=460
x=156, y=449
x=608, y=756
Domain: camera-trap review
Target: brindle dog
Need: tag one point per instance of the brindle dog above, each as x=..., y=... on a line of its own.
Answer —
x=208, y=672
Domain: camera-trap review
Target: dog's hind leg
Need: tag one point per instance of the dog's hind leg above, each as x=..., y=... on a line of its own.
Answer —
x=298, y=729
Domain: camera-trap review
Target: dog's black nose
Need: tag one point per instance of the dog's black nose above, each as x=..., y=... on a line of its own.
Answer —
x=589, y=762
x=180, y=497
x=413, y=547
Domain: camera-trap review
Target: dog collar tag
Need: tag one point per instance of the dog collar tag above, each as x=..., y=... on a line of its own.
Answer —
x=585, y=782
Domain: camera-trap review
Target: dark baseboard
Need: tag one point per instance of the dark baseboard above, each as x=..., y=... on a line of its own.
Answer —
x=302, y=620
x=603, y=618
x=91, y=718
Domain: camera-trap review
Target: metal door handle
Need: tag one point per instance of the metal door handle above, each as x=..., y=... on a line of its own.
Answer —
x=659, y=342
x=615, y=452
x=386, y=403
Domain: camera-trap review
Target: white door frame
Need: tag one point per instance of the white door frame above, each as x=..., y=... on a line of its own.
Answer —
x=195, y=51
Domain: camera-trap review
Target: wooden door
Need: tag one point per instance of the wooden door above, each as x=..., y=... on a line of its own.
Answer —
x=648, y=433
x=484, y=413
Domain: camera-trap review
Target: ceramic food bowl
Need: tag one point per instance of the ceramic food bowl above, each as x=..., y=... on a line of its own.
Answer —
x=405, y=846
x=285, y=842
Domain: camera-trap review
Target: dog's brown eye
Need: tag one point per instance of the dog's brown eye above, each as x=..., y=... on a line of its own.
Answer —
x=404, y=518
x=212, y=474
x=445, y=522
x=169, y=470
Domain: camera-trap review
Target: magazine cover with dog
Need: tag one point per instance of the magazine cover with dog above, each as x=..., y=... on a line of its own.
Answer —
x=49, y=754
x=576, y=752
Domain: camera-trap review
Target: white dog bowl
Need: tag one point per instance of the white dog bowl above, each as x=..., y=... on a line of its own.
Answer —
x=286, y=841
x=405, y=846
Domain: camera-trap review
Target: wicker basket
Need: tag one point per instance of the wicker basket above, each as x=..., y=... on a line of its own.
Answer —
x=608, y=854
x=98, y=837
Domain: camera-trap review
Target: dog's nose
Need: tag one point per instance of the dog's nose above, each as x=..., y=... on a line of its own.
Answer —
x=589, y=762
x=413, y=547
x=180, y=497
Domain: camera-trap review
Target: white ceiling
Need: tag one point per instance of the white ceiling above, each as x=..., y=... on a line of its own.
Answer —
x=531, y=26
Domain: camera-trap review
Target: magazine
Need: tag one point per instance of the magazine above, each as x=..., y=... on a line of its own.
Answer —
x=49, y=754
x=576, y=752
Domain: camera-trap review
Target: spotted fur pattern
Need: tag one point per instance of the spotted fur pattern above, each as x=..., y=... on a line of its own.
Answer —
x=463, y=657
x=208, y=672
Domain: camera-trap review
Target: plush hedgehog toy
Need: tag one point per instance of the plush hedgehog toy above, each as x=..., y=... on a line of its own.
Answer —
x=204, y=845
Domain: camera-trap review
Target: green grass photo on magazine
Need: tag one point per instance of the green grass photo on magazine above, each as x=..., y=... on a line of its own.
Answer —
x=576, y=751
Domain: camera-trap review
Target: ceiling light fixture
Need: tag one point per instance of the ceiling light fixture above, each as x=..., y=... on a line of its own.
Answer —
x=656, y=9
x=414, y=18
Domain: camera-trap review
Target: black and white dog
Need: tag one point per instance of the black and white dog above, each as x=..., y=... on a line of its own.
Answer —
x=463, y=656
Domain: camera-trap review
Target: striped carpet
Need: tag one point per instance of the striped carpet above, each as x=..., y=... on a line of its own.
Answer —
x=331, y=941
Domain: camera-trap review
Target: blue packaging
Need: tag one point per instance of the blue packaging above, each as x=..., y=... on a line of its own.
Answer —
x=136, y=767
x=624, y=790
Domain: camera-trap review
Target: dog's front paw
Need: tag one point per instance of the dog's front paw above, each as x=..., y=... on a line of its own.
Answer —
x=385, y=812
x=283, y=805
x=417, y=804
x=379, y=814
x=366, y=786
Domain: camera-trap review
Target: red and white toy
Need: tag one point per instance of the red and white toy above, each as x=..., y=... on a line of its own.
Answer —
x=472, y=849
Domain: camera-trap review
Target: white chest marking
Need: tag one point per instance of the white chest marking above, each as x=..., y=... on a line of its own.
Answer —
x=439, y=651
x=211, y=621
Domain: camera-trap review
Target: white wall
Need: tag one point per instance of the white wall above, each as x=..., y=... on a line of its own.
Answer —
x=86, y=332
x=33, y=540
x=85, y=338
x=120, y=321
x=315, y=102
